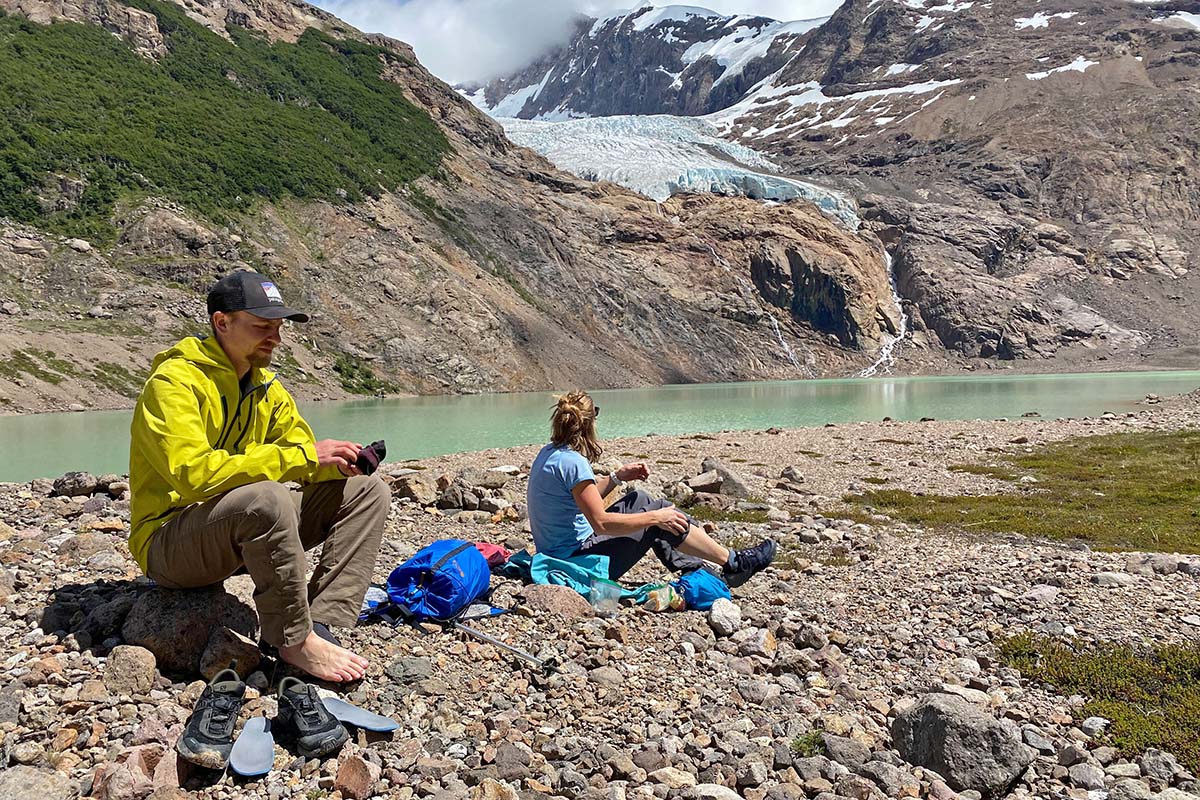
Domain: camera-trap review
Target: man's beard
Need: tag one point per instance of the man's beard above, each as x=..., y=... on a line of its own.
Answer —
x=260, y=361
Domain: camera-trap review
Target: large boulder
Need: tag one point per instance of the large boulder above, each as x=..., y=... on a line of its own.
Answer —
x=732, y=484
x=417, y=487
x=970, y=749
x=561, y=601
x=28, y=783
x=176, y=624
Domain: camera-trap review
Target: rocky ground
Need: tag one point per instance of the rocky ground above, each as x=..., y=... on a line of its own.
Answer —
x=862, y=665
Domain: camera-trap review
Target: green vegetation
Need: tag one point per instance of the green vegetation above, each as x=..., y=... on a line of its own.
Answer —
x=217, y=125
x=875, y=480
x=357, y=378
x=707, y=514
x=1121, y=491
x=40, y=364
x=1151, y=697
x=808, y=745
x=117, y=378
x=895, y=441
x=811, y=453
x=108, y=327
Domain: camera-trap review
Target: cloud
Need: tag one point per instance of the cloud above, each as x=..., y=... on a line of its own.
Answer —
x=477, y=40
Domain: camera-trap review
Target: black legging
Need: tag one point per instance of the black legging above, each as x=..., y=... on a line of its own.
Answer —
x=626, y=550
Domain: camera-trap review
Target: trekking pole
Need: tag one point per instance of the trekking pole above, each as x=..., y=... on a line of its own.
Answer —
x=546, y=666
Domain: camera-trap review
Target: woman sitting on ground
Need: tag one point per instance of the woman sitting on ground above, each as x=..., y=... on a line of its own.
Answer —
x=568, y=516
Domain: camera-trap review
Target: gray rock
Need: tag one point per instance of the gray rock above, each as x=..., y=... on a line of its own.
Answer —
x=1072, y=754
x=1159, y=765
x=709, y=482
x=1042, y=593
x=1125, y=770
x=512, y=761
x=409, y=669
x=1036, y=739
x=732, y=484
x=175, y=625
x=10, y=703
x=75, y=484
x=1113, y=579
x=847, y=752
x=970, y=749
x=486, y=478
x=27, y=783
x=725, y=617
x=606, y=676
x=1130, y=790
x=891, y=780
x=1094, y=726
x=1086, y=776
x=810, y=636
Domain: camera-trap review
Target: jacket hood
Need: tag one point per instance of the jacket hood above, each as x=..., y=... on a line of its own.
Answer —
x=206, y=352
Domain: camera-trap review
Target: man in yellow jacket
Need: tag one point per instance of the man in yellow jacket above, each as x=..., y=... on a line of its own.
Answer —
x=214, y=438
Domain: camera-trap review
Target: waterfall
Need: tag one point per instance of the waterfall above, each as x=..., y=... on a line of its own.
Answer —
x=748, y=290
x=887, y=352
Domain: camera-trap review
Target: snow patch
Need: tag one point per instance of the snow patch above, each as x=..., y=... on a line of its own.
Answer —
x=512, y=104
x=1080, y=64
x=648, y=17
x=1186, y=18
x=1041, y=20
x=900, y=69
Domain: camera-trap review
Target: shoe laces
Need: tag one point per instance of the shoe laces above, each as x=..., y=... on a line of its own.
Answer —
x=303, y=703
x=222, y=709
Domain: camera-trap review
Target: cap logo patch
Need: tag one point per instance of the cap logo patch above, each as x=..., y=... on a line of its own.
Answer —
x=272, y=293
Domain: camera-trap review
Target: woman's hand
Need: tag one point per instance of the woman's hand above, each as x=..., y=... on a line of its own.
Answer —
x=637, y=471
x=670, y=519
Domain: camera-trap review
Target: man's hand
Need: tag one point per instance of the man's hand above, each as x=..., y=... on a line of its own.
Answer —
x=343, y=454
x=637, y=471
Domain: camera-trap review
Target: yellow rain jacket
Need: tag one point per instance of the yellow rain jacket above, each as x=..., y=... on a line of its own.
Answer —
x=195, y=435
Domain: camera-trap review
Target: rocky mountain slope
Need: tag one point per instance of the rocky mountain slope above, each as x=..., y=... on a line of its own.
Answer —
x=1032, y=166
x=670, y=60
x=465, y=264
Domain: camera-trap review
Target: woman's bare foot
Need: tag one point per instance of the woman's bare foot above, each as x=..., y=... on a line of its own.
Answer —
x=325, y=660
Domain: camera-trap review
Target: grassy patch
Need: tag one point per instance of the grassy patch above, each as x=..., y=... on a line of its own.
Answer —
x=895, y=441
x=117, y=379
x=986, y=470
x=811, y=453
x=108, y=327
x=215, y=124
x=808, y=745
x=875, y=480
x=1121, y=491
x=1152, y=697
x=43, y=365
x=357, y=378
x=706, y=514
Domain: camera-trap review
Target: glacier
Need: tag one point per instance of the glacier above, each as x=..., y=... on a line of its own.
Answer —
x=662, y=155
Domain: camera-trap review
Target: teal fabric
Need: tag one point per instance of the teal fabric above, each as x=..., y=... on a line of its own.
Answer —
x=576, y=572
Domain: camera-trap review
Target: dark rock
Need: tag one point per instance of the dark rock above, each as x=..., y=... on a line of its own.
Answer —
x=847, y=752
x=176, y=625
x=409, y=669
x=970, y=749
x=75, y=484
x=10, y=703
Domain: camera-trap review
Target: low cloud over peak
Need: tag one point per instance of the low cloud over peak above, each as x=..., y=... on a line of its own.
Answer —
x=462, y=41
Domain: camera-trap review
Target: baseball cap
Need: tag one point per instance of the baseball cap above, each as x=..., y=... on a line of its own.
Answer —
x=245, y=290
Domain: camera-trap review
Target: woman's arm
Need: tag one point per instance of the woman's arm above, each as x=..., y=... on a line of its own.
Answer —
x=606, y=523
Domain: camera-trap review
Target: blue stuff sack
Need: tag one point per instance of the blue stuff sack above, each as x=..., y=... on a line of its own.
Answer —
x=701, y=588
x=440, y=580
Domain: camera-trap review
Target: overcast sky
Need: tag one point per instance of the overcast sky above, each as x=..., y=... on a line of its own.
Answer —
x=475, y=40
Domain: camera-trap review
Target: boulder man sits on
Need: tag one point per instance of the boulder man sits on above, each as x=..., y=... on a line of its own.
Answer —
x=214, y=437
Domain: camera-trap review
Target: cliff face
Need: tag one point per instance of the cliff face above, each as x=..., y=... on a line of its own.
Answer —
x=667, y=60
x=1032, y=166
x=494, y=272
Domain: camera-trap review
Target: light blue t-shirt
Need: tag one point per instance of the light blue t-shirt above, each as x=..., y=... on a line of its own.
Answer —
x=558, y=526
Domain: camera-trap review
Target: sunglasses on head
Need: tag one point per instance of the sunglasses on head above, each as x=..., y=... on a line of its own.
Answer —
x=595, y=412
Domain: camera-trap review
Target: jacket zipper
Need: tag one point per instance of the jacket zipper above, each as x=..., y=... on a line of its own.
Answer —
x=253, y=409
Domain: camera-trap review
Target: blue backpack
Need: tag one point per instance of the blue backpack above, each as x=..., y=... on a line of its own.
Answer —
x=440, y=580
x=701, y=588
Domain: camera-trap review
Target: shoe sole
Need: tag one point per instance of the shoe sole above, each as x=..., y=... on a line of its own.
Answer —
x=253, y=753
x=739, y=578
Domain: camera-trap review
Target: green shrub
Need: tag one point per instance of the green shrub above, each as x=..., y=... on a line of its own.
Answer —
x=357, y=378
x=1152, y=697
x=807, y=745
x=216, y=125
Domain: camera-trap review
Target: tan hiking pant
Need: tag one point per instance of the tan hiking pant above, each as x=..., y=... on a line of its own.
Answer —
x=266, y=527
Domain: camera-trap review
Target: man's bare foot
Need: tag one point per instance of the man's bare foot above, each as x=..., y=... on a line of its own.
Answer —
x=325, y=660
